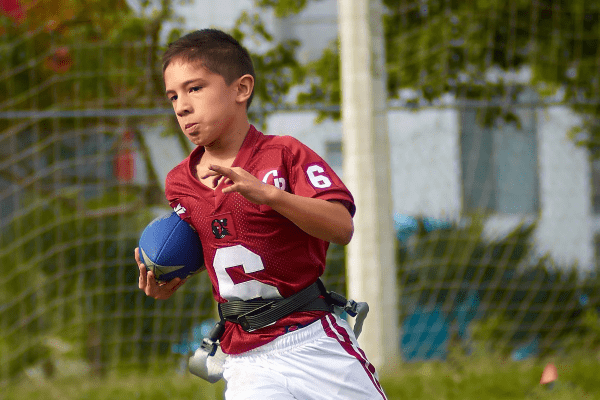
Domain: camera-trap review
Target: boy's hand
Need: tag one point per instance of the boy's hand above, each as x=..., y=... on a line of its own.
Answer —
x=148, y=284
x=242, y=182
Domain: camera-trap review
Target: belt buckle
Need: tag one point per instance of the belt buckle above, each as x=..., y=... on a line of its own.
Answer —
x=243, y=321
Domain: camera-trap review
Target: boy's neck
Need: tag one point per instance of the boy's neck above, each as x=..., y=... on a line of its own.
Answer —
x=228, y=147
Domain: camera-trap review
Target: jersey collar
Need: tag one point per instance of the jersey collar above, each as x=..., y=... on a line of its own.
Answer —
x=248, y=147
x=244, y=154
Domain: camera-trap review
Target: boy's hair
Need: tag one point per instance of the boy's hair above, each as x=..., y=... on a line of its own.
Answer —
x=217, y=51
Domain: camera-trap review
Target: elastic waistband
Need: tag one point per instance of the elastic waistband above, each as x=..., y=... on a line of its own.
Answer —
x=287, y=341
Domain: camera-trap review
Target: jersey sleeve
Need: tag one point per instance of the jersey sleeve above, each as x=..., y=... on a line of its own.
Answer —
x=175, y=183
x=310, y=176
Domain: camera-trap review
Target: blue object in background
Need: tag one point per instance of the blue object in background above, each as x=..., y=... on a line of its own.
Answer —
x=405, y=226
x=199, y=332
x=530, y=349
x=432, y=224
x=425, y=336
x=465, y=313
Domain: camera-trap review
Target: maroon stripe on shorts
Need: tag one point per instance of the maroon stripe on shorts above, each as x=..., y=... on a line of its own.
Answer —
x=334, y=331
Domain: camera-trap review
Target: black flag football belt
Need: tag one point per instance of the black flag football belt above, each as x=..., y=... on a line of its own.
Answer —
x=258, y=313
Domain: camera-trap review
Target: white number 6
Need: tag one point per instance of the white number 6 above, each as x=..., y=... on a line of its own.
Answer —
x=318, y=181
x=229, y=257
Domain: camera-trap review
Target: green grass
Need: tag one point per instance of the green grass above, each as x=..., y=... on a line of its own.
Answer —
x=127, y=386
x=484, y=377
x=493, y=378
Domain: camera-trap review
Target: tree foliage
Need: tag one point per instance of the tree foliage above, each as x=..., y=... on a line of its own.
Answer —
x=71, y=54
x=473, y=49
x=324, y=85
x=476, y=51
x=283, y=8
x=276, y=66
x=68, y=225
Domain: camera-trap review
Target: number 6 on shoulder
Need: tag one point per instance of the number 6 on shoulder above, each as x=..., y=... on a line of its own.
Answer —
x=317, y=176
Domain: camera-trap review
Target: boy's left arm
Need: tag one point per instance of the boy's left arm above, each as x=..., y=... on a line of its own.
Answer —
x=327, y=220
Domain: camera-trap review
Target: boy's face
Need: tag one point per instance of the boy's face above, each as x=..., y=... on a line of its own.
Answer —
x=204, y=104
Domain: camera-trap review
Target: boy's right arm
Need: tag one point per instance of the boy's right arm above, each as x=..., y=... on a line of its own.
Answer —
x=147, y=282
x=327, y=220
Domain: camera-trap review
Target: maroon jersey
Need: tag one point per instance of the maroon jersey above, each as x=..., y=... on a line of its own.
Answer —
x=251, y=251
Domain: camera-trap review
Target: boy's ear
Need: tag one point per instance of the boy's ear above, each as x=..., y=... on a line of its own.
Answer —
x=244, y=88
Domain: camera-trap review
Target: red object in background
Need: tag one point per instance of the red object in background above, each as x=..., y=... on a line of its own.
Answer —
x=13, y=9
x=124, y=159
x=549, y=375
x=60, y=61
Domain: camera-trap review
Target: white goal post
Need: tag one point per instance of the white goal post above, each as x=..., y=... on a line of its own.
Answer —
x=370, y=265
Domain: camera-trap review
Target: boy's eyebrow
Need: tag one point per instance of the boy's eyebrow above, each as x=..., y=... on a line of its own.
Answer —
x=184, y=84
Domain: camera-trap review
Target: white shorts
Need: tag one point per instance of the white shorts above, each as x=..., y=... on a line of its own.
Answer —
x=319, y=361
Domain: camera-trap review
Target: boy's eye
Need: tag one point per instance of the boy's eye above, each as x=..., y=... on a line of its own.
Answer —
x=192, y=89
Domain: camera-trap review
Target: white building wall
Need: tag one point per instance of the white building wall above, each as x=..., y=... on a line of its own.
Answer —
x=425, y=158
x=566, y=226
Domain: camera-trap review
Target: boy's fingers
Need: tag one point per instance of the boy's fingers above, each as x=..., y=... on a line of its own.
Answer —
x=229, y=189
x=142, y=268
x=173, y=284
x=147, y=282
x=142, y=279
x=151, y=285
x=174, y=288
x=181, y=282
x=165, y=290
x=227, y=172
x=217, y=168
x=210, y=173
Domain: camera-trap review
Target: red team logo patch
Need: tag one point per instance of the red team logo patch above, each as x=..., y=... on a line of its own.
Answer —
x=219, y=228
x=222, y=227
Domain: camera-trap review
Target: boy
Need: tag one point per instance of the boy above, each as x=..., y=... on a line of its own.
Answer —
x=265, y=208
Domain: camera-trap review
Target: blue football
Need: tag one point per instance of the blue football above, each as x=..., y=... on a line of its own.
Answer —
x=171, y=248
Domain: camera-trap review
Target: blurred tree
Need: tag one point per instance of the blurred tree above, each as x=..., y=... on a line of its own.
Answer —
x=13, y=9
x=283, y=8
x=62, y=33
x=71, y=226
x=56, y=31
x=76, y=54
x=474, y=50
x=276, y=66
x=489, y=50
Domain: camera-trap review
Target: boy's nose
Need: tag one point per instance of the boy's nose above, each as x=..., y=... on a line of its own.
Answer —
x=183, y=107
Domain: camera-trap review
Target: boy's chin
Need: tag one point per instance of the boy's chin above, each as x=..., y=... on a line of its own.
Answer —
x=195, y=142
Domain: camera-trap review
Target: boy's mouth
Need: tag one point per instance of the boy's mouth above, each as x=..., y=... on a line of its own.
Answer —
x=188, y=126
